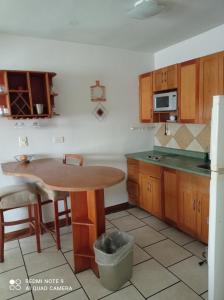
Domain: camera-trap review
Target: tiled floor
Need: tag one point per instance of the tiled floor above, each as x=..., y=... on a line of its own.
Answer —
x=165, y=265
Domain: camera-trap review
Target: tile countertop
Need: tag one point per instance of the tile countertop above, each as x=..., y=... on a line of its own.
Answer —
x=182, y=160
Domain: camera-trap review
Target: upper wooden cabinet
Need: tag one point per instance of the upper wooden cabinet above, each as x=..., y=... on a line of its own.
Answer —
x=145, y=97
x=21, y=91
x=165, y=78
x=211, y=69
x=188, y=91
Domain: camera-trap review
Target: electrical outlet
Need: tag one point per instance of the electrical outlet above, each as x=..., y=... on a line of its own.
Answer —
x=23, y=141
x=58, y=139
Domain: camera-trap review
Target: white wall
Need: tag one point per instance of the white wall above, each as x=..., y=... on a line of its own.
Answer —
x=78, y=66
x=203, y=44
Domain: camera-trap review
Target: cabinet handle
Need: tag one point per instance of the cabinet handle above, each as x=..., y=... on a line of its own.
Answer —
x=149, y=187
x=199, y=206
x=194, y=206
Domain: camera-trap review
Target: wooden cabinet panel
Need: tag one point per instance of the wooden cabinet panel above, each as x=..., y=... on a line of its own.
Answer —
x=150, y=194
x=133, y=181
x=165, y=78
x=145, y=94
x=150, y=169
x=156, y=197
x=170, y=195
x=194, y=205
x=188, y=91
x=209, y=85
x=171, y=77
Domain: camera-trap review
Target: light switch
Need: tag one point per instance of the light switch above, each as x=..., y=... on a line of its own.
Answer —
x=23, y=141
x=58, y=139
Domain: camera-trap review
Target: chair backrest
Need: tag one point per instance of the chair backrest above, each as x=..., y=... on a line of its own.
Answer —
x=73, y=159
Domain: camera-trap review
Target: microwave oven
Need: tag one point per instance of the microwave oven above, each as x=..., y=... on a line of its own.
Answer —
x=165, y=101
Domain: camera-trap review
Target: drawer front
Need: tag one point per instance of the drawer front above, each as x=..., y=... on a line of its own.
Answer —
x=150, y=169
x=133, y=169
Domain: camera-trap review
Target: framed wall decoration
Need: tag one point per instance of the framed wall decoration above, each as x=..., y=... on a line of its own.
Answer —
x=98, y=92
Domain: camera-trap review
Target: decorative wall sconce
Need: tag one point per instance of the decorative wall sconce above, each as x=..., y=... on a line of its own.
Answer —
x=98, y=92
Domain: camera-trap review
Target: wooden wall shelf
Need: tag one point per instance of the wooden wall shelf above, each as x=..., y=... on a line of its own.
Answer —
x=23, y=90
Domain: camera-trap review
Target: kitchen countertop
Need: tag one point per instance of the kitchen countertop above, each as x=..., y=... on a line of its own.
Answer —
x=182, y=160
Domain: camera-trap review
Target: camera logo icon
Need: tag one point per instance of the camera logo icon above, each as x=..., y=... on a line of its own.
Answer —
x=15, y=284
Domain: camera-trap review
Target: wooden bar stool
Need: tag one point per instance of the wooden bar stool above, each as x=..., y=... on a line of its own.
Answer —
x=18, y=196
x=50, y=196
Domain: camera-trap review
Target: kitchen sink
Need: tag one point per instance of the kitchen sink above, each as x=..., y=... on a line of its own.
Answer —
x=205, y=166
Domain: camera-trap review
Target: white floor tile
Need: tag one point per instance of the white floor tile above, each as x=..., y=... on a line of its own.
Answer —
x=205, y=296
x=29, y=245
x=11, y=244
x=108, y=225
x=65, y=229
x=66, y=242
x=150, y=277
x=69, y=257
x=146, y=236
x=116, y=215
x=167, y=252
x=192, y=274
x=138, y=212
x=66, y=282
x=196, y=248
x=92, y=285
x=27, y=296
x=177, y=236
x=39, y=262
x=178, y=291
x=76, y=295
x=155, y=223
x=139, y=255
x=127, y=223
x=13, y=259
x=9, y=291
x=128, y=293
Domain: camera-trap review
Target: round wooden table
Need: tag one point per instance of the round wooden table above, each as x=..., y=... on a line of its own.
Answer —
x=86, y=187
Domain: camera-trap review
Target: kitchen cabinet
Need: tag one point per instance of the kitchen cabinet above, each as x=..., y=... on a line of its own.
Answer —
x=145, y=98
x=21, y=91
x=150, y=188
x=210, y=84
x=188, y=91
x=193, y=205
x=133, y=181
x=170, y=195
x=165, y=78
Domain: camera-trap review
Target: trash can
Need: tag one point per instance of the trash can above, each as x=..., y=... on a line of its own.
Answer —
x=114, y=256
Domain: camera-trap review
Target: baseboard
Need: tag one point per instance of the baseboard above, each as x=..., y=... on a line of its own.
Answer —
x=22, y=233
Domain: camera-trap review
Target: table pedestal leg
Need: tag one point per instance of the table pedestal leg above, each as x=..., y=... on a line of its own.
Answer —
x=88, y=223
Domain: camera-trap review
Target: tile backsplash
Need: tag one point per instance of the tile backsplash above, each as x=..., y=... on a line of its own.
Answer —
x=193, y=137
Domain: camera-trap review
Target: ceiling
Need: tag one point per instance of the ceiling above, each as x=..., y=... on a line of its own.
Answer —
x=105, y=22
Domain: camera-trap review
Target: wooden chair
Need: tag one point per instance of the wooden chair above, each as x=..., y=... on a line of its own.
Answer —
x=17, y=196
x=49, y=196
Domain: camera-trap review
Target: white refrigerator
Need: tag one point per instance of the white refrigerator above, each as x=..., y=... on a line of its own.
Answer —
x=216, y=210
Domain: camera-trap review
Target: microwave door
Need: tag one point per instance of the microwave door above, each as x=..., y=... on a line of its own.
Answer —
x=161, y=103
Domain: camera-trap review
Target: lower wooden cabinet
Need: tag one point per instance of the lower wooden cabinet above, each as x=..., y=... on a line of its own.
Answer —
x=150, y=188
x=180, y=198
x=170, y=195
x=193, y=205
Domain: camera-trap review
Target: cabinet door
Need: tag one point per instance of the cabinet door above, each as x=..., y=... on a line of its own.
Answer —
x=159, y=80
x=170, y=195
x=187, y=203
x=209, y=85
x=146, y=193
x=133, y=181
x=171, y=77
x=188, y=91
x=155, y=189
x=145, y=97
x=202, y=208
